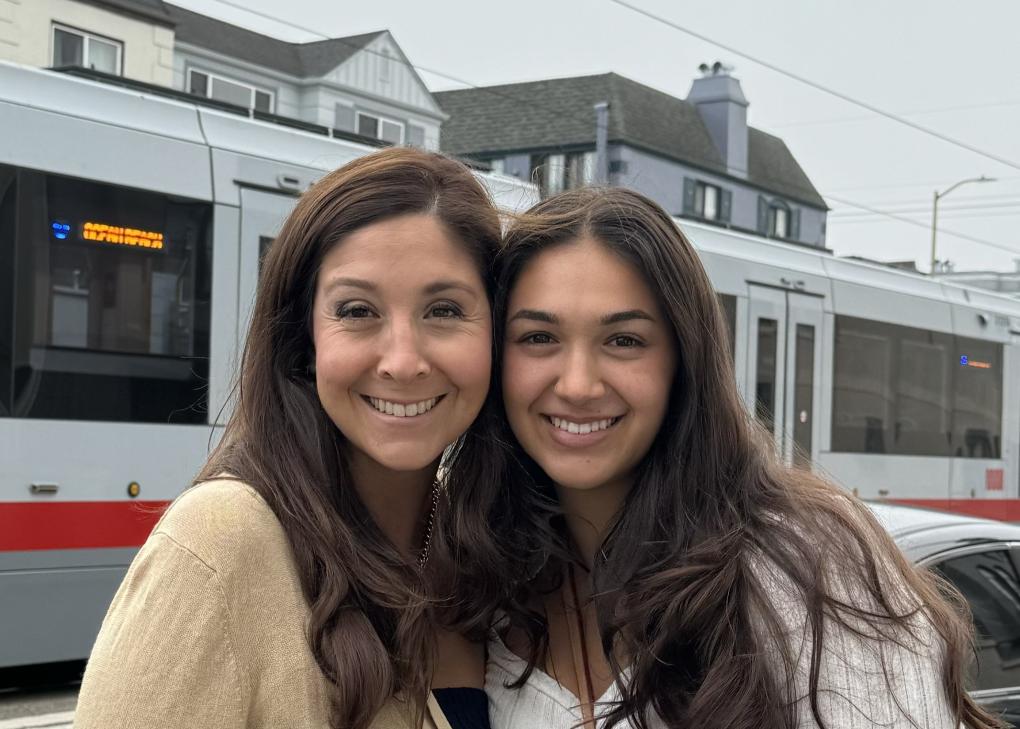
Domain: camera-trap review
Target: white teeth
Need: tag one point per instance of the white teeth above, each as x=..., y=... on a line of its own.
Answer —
x=582, y=428
x=401, y=410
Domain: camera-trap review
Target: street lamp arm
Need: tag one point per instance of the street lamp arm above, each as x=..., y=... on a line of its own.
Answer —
x=963, y=182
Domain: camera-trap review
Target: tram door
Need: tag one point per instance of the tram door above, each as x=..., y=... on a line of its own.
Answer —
x=262, y=216
x=784, y=365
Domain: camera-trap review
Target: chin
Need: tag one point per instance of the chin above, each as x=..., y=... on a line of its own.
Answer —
x=406, y=461
x=577, y=480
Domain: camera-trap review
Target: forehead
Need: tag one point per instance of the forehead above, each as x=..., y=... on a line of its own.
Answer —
x=407, y=247
x=581, y=276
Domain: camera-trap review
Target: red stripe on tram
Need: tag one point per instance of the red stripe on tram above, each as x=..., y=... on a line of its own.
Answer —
x=998, y=509
x=28, y=526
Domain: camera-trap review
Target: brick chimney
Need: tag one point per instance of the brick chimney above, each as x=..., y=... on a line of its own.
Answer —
x=721, y=103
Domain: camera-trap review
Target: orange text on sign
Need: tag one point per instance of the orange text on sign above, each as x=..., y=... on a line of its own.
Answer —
x=118, y=235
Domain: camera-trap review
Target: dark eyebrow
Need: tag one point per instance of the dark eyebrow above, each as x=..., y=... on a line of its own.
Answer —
x=534, y=315
x=622, y=316
x=439, y=286
x=433, y=288
x=358, y=283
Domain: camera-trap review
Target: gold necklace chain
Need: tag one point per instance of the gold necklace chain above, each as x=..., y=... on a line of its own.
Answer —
x=423, y=557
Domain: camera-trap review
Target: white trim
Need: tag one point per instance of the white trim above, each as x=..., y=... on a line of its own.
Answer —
x=379, y=119
x=423, y=114
x=210, y=75
x=86, y=37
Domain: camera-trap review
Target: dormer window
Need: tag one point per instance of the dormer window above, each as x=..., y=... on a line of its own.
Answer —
x=779, y=221
x=706, y=201
x=232, y=91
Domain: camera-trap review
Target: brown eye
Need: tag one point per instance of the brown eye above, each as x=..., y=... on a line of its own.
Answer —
x=537, y=338
x=353, y=311
x=445, y=310
x=626, y=341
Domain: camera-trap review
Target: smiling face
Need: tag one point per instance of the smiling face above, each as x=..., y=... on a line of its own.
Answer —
x=588, y=364
x=402, y=331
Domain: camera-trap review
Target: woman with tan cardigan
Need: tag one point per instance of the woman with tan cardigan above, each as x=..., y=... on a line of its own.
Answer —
x=301, y=581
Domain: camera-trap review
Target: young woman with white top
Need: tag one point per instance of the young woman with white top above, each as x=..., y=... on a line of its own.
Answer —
x=685, y=578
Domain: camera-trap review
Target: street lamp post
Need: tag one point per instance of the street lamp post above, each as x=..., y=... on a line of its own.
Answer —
x=935, y=211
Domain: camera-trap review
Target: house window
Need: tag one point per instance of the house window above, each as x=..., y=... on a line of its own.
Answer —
x=498, y=166
x=558, y=172
x=779, y=222
x=377, y=127
x=77, y=48
x=232, y=91
x=706, y=201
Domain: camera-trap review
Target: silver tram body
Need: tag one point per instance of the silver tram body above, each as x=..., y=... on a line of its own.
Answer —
x=119, y=339
x=131, y=231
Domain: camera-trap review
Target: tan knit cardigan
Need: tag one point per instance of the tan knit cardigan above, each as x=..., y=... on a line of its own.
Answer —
x=208, y=629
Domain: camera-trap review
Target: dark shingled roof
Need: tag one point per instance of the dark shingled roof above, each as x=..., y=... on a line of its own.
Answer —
x=152, y=10
x=304, y=60
x=558, y=113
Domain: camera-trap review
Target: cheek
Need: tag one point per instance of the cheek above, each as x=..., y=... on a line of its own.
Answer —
x=468, y=364
x=521, y=381
x=339, y=363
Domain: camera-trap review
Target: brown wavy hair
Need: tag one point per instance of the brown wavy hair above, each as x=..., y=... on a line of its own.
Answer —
x=371, y=608
x=686, y=579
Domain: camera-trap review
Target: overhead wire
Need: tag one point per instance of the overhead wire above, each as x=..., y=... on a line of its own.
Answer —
x=916, y=223
x=712, y=163
x=818, y=86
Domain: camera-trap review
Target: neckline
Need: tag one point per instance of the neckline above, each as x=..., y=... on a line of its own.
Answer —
x=549, y=684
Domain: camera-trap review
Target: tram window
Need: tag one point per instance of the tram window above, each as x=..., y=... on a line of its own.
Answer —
x=803, y=394
x=111, y=320
x=765, y=384
x=907, y=391
x=8, y=191
x=977, y=399
x=729, y=307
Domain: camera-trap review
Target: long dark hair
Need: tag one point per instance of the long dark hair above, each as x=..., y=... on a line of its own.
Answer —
x=686, y=581
x=370, y=606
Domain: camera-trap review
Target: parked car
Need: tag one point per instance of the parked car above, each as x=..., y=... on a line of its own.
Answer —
x=982, y=559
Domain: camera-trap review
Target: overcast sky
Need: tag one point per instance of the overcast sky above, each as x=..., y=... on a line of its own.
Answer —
x=950, y=66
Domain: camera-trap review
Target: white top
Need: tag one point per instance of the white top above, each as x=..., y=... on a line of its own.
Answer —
x=852, y=688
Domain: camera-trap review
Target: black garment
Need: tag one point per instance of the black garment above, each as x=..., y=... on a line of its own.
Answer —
x=465, y=708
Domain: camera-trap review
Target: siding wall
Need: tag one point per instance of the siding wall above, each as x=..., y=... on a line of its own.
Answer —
x=663, y=180
x=286, y=90
x=375, y=75
x=26, y=36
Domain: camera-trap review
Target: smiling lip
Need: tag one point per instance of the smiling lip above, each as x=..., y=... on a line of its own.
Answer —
x=402, y=410
x=574, y=436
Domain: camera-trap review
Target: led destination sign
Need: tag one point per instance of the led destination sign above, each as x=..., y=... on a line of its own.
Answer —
x=118, y=235
x=966, y=361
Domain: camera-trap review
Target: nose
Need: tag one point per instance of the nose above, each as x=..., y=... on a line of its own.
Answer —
x=403, y=358
x=580, y=381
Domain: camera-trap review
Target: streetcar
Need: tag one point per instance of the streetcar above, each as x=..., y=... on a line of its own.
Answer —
x=895, y=385
x=132, y=227
x=131, y=230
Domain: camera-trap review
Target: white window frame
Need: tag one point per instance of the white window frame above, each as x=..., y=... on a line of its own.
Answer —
x=774, y=211
x=86, y=38
x=380, y=119
x=701, y=193
x=229, y=79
